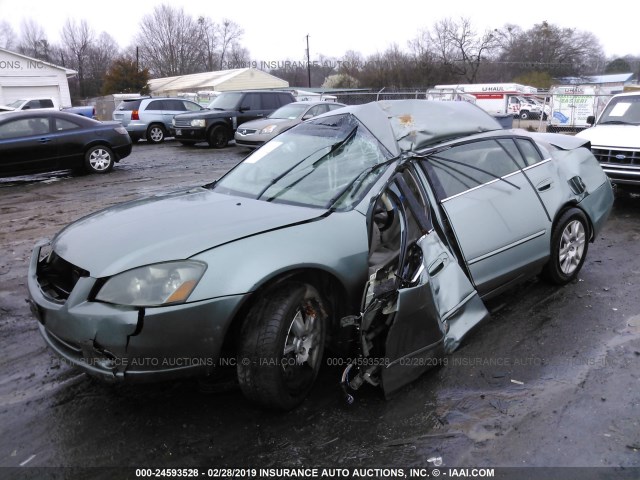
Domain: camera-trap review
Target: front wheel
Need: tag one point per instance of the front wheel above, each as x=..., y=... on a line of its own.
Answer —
x=569, y=245
x=281, y=346
x=524, y=115
x=218, y=137
x=99, y=159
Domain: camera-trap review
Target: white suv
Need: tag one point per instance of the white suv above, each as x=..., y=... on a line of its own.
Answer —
x=151, y=117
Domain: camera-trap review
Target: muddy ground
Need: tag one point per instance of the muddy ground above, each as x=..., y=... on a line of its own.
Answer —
x=552, y=379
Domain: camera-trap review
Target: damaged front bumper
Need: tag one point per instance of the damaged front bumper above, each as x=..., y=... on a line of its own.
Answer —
x=119, y=343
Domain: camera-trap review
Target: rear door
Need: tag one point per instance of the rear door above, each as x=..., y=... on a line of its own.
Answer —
x=418, y=301
x=496, y=215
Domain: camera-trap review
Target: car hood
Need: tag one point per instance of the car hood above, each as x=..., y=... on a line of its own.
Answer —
x=264, y=122
x=616, y=136
x=169, y=227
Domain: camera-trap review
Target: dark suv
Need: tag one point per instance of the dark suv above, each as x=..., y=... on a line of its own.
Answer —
x=218, y=123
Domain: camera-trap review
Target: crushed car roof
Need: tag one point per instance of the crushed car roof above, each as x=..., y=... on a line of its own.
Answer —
x=411, y=125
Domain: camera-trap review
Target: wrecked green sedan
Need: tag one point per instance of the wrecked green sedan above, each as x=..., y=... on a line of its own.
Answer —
x=377, y=229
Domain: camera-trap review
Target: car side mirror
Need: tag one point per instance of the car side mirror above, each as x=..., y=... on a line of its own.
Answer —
x=591, y=119
x=307, y=117
x=244, y=108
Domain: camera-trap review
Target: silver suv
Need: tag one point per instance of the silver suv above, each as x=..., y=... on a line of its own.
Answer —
x=151, y=118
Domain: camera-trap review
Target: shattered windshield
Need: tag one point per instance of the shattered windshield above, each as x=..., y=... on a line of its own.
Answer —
x=622, y=110
x=329, y=162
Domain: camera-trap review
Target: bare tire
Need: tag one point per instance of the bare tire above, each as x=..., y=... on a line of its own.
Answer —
x=281, y=346
x=155, y=133
x=99, y=159
x=218, y=137
x=569, y=245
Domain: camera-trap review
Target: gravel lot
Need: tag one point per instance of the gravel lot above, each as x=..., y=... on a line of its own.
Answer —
x=552, y=379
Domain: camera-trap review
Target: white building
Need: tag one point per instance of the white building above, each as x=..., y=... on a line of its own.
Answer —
x=25, y=77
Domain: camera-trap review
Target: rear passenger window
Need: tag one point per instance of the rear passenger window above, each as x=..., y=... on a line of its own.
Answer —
x=46, y=103
x=62, y=124
x=156, y=105
x=173, y=105
x=529, y=151
x=512, y=151
x=284, y=98
x=269, y=101
x=469, y=165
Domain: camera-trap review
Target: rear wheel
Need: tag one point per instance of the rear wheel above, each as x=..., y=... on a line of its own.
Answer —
x=524, y=115
x=155, y=133
x=281, y=346
x=569, y=245
x=218, y=137
x=99, y=159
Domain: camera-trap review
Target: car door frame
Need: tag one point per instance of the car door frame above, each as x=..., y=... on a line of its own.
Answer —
x=425, y=314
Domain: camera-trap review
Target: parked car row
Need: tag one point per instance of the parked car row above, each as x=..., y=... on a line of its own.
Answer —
x=157, y=118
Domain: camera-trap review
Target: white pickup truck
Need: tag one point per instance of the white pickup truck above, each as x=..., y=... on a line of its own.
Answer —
x=615, y=138
x=40, y=103
x=29, y=104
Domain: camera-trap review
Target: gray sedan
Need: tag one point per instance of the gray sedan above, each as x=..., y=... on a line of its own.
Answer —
x=256, y=132
x=377, y=230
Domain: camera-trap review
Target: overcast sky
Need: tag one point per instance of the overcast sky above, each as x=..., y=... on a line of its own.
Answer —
x=276, y=30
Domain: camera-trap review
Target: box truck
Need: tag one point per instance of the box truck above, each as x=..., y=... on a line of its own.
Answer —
x=498, y=98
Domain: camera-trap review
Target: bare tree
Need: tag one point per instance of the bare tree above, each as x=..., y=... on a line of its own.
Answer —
x=229, y=32
x=461, y=49
x=102, y=53
x=7, y=35
x=33, y=41
x=77, y=39
x=238, y=55
x=169, y=42
x=210, y=42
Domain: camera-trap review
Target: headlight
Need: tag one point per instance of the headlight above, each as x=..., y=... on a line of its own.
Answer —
x=268, y=129
x=198, y=122
x=154, y=285
x=173, y=122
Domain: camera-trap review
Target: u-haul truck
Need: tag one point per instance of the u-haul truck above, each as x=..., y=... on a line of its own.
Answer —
x=572, y=105
x=498, y=98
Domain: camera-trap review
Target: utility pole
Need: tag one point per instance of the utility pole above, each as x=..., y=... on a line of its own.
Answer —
x=308, y=63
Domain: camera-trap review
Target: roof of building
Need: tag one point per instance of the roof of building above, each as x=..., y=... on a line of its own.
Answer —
x=597, y=79
x=219, y=81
